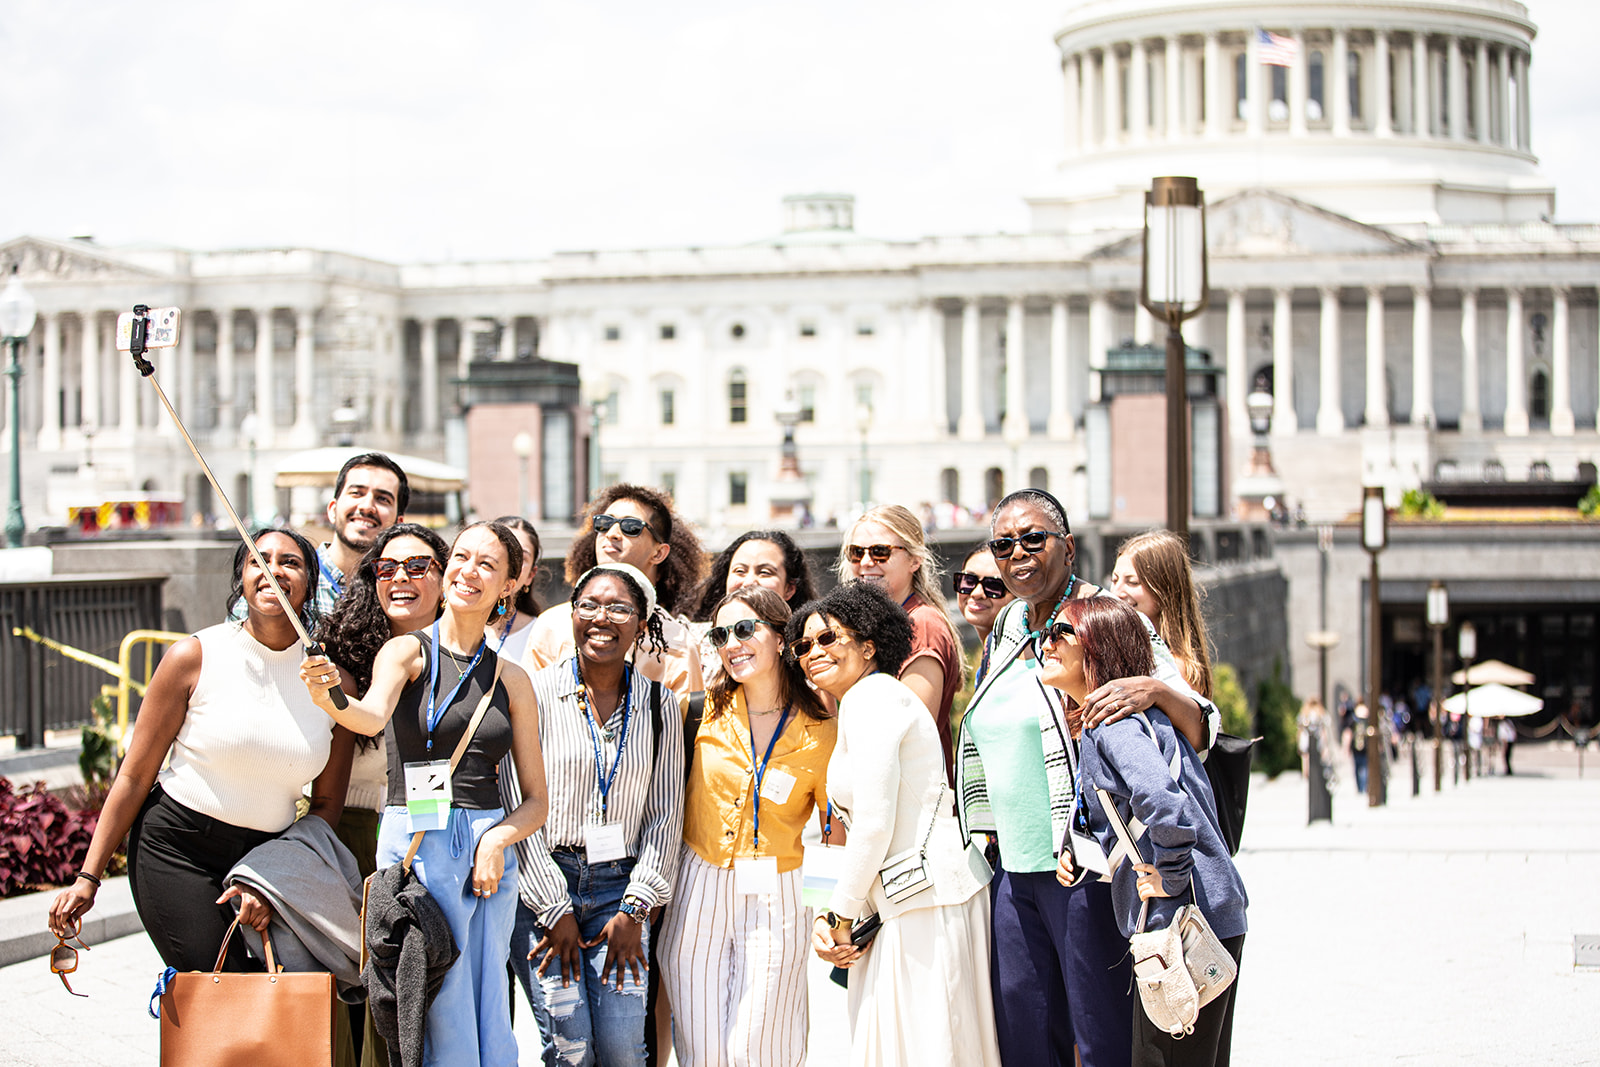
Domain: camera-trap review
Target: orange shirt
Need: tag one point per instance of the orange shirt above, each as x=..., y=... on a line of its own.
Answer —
x=717, y=819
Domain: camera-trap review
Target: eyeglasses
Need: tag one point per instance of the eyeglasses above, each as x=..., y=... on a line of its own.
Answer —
x=1033, y=542
x=64, y=957
x=591, y=610
x=1055, y=632
x=879, y=553
x=416, y=567
x=802, y=648
x=631, y=527
x=966, y=582
x=743, y=630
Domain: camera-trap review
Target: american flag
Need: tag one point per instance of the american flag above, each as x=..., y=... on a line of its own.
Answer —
x=1275, y=51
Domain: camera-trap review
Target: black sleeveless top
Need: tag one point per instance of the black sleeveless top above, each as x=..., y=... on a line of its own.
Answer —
x=476, y=783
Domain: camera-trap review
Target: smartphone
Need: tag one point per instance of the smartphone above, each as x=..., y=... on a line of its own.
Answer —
x=162, y=331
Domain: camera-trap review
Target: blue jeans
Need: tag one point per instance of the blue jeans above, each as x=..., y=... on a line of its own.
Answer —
x=524, y=935
x=595, y=1022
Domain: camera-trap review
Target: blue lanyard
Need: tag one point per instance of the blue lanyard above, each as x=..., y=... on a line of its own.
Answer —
x=601, y=778
x=505, y=631
x=761, y=768
x=435, y=709
x=334, y=579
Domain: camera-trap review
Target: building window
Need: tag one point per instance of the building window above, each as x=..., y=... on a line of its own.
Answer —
x=864, y=329
x=1200, y=97
x=1539, y=395
x=613, y=333
x=613, y=403
x=1123, y=111
x=1314, y=96
x=669, y=407
x=669, y=483
x=668, y=331
x=1354, y=62
x=737, y=410
x=950, y=485
x=1039, y=478
x=807, y=395
x=1278, y=102
x=738, y=489
x=736, y=331
x=808, y=329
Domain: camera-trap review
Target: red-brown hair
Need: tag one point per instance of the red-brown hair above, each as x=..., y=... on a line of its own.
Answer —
x=1114, y=640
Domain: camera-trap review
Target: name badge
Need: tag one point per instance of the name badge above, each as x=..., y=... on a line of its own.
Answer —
x=776, y=785
x=756, y=876
x=1087, y=853
x=428, y=795
x=604, y=842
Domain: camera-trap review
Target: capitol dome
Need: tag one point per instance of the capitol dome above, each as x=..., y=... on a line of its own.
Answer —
x=1396, y=113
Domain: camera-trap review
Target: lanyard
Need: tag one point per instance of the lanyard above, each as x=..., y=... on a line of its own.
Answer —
x=435, y=709
x=334, y=579
x=761, y=768
x=505, y=631
x=601, y=778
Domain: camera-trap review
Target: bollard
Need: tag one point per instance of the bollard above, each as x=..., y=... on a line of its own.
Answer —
x=1416, y=769
x=1319, y=800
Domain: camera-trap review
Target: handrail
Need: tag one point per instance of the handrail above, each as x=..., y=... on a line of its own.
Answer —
x=125, y=681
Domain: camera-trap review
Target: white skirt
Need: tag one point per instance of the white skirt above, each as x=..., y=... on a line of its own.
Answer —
x=920, y=996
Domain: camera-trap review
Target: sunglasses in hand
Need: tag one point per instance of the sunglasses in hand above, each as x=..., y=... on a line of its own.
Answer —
x=743, y=630
x=64, y=957
x=966, y=582
x=631, y=527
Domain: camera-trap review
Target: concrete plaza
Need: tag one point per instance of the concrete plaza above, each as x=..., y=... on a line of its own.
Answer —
x=1437, y=929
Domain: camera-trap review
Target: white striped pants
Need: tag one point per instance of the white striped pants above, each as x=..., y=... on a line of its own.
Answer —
x=735, y=968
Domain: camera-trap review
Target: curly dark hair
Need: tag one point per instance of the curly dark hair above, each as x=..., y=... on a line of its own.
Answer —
x=525, y=602
x=714, y=590
x=358, y=626
x=870, y=614
x=651, y=627
x=308, y=609
x=678, y=575
x=792, y=687
x=1114, y=640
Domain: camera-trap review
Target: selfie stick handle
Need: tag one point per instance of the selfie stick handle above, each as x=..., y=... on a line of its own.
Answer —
x=147, y=369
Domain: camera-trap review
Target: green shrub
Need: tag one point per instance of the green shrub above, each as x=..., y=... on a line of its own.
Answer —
x=98, y=760
x=1277, y=709
x=1420, y=504
x=1589, y=506
x=1228, y=695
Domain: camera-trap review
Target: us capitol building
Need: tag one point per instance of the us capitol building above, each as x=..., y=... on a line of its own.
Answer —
x=1383, y=262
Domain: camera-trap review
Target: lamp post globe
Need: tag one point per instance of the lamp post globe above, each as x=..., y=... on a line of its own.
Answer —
x=17, y=313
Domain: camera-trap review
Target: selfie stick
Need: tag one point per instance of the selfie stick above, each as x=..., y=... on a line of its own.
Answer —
x=137, y=349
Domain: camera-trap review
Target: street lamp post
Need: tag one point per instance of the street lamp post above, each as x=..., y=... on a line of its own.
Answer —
x=1174, y=286
x=522, y=445
x=1438, y=619
x=1467, y=648
x=249, y=426
x=1374, y=538
x=17, y=312
x=864, y=424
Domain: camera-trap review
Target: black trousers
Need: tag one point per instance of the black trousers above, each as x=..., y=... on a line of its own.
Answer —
x=1211, y=1044
x=177, y=859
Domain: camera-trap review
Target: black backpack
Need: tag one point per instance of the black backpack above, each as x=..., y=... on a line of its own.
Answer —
x=1228, y=766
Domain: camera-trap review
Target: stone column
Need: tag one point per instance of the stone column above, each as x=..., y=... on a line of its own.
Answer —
x=1016, y=420
x=1455, y=97
x=1377, y=384
x=1255, y=106
x=1144, y=326
x=1088, y=103
x=1111, y=96
x=1422, y=116
x=1061, y=425
x=508, y=339
x=1421, y=357
x=970, y=426
x=1238, y=382
x=1099, y=340
x=127, y=382
x=1471, y=405
x=1516, y=422
x=89, y=370
x=1497, y=97
x=1071, y=105
x=1138, y=92
x=1524, y=107
x=266, y=407
x=1216, y=110
x=938, y=360
x=465, y=345
x=1480, y=93
x=1336, y=83
x=1561, y=421
x=49, y=438
x=1298, y=88
x=429, y=393
x=1380, y=82
x=1330, y=417
x=227, y=415
x=1284, y=420
x=1176, y=126
x=305, y=376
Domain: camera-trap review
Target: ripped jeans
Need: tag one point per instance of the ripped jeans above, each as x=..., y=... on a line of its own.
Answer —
x=594, y=1023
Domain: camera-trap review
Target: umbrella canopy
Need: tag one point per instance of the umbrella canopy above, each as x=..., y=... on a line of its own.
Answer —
x=319, y=467
x=1493, y=701
x=1492, y=672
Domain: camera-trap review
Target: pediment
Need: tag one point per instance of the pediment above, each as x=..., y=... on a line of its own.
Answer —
x=1261, y=223
x=43, y=259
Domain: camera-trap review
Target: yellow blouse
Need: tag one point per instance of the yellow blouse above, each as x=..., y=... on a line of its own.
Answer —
x=718, y=822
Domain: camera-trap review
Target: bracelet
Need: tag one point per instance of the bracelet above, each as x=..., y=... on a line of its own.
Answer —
x=92, y=878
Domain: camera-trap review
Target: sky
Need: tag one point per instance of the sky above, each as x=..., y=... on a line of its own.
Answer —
x=412, y=132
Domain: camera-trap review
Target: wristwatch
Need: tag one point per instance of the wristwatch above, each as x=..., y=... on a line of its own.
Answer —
x=834, y=921
x=635, y=909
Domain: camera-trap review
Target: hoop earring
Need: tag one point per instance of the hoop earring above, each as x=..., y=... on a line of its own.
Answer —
x=501, y=606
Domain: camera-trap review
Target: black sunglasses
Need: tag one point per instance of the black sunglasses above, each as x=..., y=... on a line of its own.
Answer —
x=966, y=582
x=416, y=567
x=743, y=630
x=802, y=648
x=879, y=553
x=631, y=527
x=1055, y=632
x=1033, y=542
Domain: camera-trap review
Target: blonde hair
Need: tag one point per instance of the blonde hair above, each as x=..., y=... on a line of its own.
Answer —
x=925, y=581
x=1161, y=560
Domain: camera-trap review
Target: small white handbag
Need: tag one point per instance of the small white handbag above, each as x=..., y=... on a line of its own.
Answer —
x=1180, y=969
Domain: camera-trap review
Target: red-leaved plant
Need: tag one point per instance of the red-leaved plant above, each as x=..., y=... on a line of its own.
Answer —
x=42, y=843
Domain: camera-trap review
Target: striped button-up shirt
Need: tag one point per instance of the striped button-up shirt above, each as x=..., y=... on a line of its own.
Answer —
x=645, y=798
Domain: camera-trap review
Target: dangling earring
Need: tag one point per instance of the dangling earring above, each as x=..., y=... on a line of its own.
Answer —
x=502, y=605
